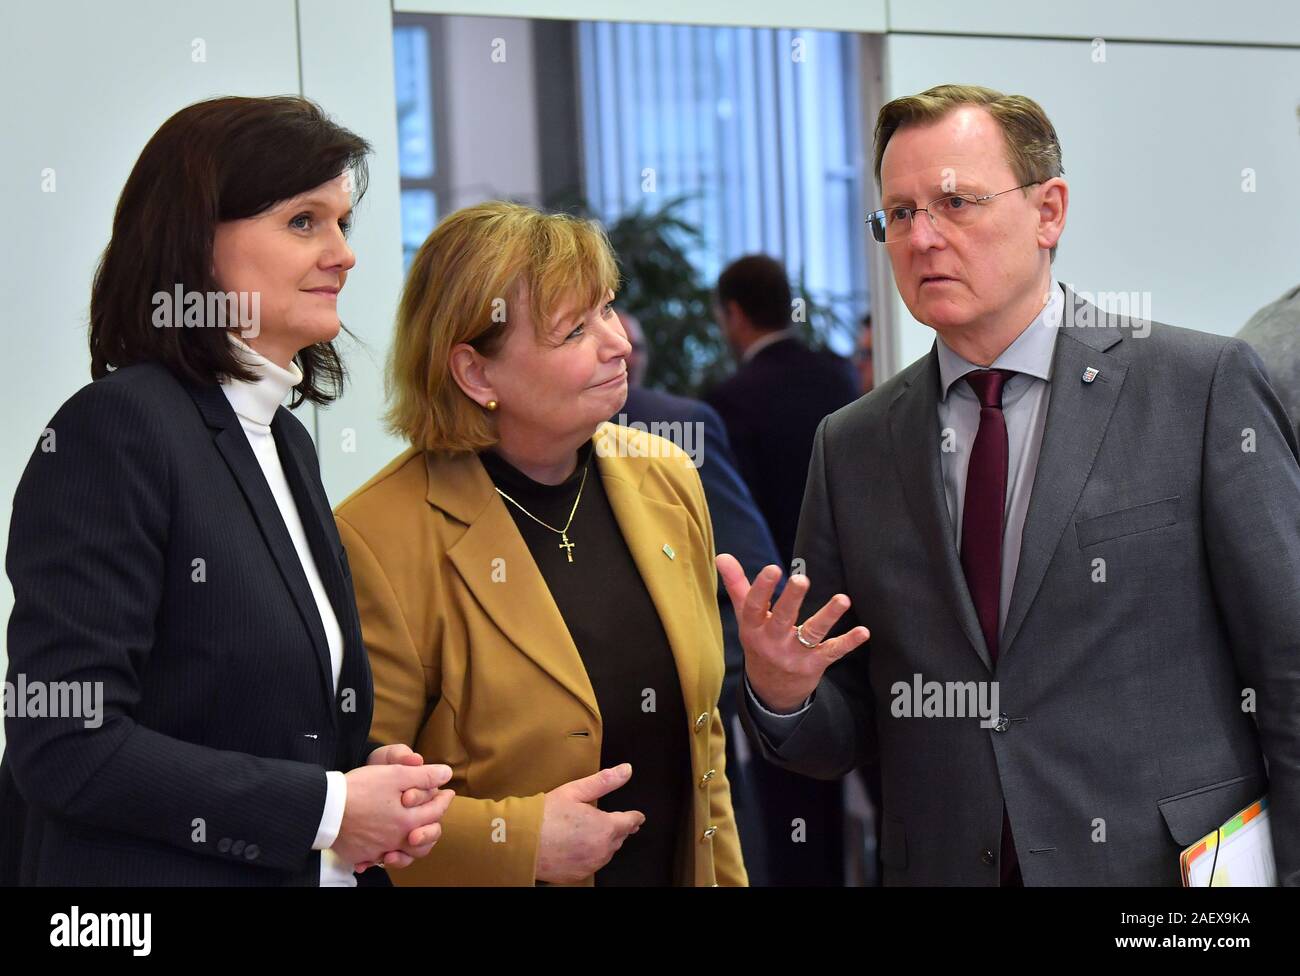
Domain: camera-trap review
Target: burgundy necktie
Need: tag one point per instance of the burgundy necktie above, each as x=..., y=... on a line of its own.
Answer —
x=981, y=537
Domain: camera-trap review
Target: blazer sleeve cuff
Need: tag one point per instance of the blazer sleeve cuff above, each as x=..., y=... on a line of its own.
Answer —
x=775, y=727
x=783, y=722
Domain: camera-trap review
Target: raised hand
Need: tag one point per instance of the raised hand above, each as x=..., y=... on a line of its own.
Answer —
x=782, y=670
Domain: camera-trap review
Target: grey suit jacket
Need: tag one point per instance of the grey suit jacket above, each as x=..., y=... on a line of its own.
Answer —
x=1156, y=601
x=1274, y=333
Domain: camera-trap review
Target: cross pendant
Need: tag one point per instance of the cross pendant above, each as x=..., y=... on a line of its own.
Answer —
x=567, y=546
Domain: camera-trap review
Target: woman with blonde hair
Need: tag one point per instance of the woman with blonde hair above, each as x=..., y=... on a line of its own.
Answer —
x=536, y=585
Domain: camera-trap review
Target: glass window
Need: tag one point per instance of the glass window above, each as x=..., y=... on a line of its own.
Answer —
x=761, y=127
x=416, y=142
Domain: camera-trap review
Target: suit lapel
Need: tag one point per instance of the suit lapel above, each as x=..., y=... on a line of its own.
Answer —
x=1078, y=414
x=315, y=516
x=521, y=607
x=234, y=448
x=648, y=524
x=318, y=524
x=914, y=429
x=495, y=564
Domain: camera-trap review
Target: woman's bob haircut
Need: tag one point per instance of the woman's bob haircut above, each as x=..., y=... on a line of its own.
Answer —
x=477, y=267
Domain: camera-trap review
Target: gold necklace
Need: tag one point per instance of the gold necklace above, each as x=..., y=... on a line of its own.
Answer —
x=563, y=533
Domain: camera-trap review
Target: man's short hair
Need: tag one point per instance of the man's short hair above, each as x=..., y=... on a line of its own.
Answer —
x=758, y=284
x=1033, y=150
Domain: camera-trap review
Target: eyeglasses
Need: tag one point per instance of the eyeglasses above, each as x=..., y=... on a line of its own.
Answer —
x=955, y=210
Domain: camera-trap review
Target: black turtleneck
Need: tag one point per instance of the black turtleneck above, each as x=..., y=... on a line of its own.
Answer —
x=616, y=628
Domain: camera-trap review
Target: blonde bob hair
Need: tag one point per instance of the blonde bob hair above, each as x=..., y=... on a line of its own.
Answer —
x=467, y=279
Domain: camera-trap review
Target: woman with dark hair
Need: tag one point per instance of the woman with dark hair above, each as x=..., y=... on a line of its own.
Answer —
x=193, y=698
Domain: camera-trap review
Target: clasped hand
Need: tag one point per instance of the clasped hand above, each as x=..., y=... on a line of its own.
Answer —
x=394, y=805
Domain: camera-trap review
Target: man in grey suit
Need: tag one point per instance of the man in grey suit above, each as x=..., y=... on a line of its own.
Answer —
x=1274, y=333
x=1075, y=538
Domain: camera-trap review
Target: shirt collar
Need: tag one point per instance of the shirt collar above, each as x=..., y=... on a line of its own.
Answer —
x=259, y=400
x=1031, y=353
x=762, y=342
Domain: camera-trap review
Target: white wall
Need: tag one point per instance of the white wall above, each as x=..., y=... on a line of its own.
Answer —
x=1155, y=141
x=1245, y=21
x=491, y=100
x=87, y=84
x=856, y=15
x=347, y=67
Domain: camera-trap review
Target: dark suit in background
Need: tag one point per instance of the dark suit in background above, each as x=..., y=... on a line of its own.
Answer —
x=147, y=552
x=771, y=406
x=738, y=529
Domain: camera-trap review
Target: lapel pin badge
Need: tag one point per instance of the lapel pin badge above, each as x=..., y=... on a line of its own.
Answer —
x=1090, y=374
x=668, y=551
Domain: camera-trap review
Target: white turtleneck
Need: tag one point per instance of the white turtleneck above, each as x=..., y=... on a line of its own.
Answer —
x=255, y=404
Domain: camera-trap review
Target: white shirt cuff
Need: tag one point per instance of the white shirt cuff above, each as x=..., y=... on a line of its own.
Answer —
x=334, y=871
x=779, y=716
x=336, y=798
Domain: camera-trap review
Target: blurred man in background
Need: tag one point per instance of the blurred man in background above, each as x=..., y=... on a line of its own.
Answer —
x=863, y=357
x=774, y=401
x=772, y=405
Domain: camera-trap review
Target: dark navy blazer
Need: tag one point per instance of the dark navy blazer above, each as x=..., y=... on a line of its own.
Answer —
x=147, y=554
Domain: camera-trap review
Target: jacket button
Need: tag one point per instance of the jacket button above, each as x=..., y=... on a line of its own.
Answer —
x=251, y=852
x=704, y=780
x=987, y=857
x=237, y=848
x=223, y=845
x=1003, y=723
x=702, y=721
x=709, y=831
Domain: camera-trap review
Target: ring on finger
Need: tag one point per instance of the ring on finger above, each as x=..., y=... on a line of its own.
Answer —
x=798, y=634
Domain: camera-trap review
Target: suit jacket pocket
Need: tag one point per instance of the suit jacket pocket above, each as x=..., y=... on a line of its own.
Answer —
x=1127, y=521
x=893, y=843
x=1191, y=815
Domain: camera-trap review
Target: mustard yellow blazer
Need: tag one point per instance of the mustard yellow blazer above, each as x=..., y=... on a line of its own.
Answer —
x=474, y=667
